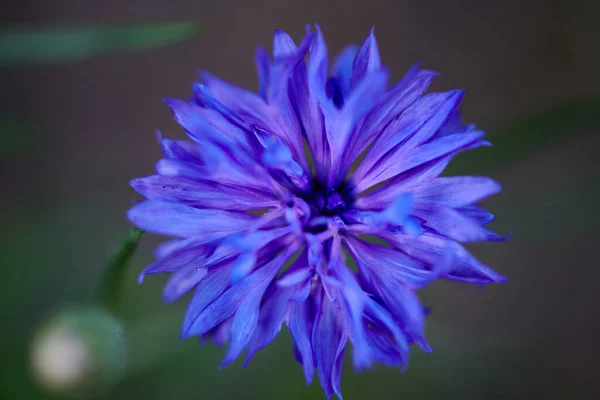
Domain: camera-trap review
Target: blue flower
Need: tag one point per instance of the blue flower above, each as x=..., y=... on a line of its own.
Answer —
x=316, y=203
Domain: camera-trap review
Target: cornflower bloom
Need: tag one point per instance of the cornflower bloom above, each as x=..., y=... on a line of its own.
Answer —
x=316, y=203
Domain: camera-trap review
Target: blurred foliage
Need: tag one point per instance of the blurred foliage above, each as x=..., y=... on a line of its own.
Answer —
x=530, y=133
x=18, y=135
x=58, y=44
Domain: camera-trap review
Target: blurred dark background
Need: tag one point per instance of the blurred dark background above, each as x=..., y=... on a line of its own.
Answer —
x=79, y=131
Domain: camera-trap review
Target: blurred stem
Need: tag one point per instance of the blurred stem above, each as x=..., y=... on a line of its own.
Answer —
x=110, y=283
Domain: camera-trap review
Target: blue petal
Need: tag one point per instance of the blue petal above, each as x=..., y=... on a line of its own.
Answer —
x=229, y=302
x=414, y=127
x=221, y=334
x=183, y=221
x=278, y=156
x=391, y=264
x=261, y=59
x=451, y=223
x=204, y=194
x=205, y=124
x=427, y=152
x=175, y=258
x=307, y=90
x=361, y=100
x=245, y=105
x=295, y=277
x=272, y=315
x=393, y=103
x=341, y=72
x=283, y=44
x=184, y=169
x=429, y=248
x=399, y=210
x=284, y=65
x=169, y=247
x=208, y=289
x=181, y=150
x=362, y=308
x=456, y=191
x=249, y=244
x=329, y=338
x=442, y=147
x=183, y=281
x=393, y=281
x=366, y=61
x=405, y=182
x=318, y=64
x=477, y=213
x=244, y=324
x=300, y=324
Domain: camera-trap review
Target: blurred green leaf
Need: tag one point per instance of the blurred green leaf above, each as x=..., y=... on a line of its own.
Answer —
x=18, y=135
x=529, y=133
x=109, y=286
x=52, y=45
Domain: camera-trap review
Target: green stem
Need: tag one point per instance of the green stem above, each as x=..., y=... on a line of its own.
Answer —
x=110, y=283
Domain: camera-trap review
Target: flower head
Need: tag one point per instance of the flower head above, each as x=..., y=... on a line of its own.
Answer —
x=276, y=200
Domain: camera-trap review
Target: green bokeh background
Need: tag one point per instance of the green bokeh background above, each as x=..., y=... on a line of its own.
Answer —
x=78, y=123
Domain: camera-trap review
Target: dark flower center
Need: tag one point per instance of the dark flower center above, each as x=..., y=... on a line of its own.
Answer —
x=328, y=203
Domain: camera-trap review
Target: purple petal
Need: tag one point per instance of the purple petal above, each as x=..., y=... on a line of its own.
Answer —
x=394, y=102
x=221, y=334
x=181, y=150
x=203, y=123
x=402, y=183
x=283, y=44
x=425, y=153
x=244, y=324
x=184, y=169
x=329, y=337
x=176, y=258
x=477, y=213
x=451, y=223
x=414, y=127
x=340, y=124
x=309, y=97
x=295, y=278
x=456, y=191
x=366, y=61
x=443, y=146
x=287, y=57
x=341, y=70
x=429, y=248
x=300, y=324
x=229, y=302
x=183, y=281
x=336, y=373
x=390, y=265
x=179, y=220
x=169, y=247
x=249, y=245
x=208, y=289
x=272, y=315
x=201, y=193
x=249, y=107
x=261, y=60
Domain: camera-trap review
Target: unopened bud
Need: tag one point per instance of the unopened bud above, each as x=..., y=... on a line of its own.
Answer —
x=79, y=350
